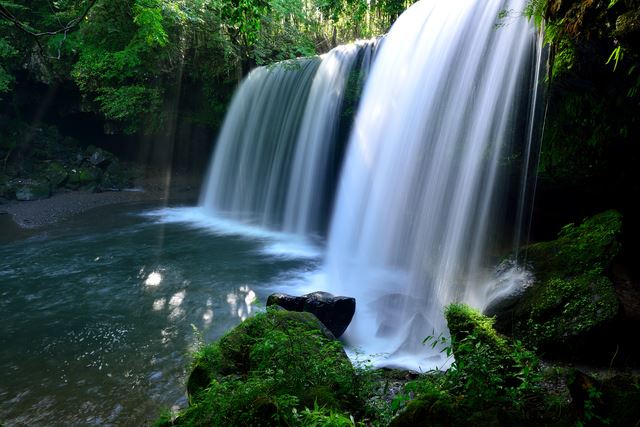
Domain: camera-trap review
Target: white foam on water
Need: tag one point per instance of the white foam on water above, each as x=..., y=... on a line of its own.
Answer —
x=273, y=243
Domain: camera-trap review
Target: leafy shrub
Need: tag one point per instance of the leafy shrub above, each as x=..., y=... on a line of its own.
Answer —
x=490, y=379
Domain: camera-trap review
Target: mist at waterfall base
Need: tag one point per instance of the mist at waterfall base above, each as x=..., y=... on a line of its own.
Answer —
x=410, y=204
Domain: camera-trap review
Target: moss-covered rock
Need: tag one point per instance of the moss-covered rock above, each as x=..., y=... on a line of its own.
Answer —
x=493, y=381
x=592, y=245
x=28, y=189
x=463, y=321
x=56, y=173
x=427, y=411
x=84, y=177
x=116, y=177
x=560, y=314
x=572, y=300
x=267, y=370
x=97, y=156
x=485, y=357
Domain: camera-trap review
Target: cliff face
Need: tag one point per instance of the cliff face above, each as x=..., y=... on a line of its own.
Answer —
x=589, y=159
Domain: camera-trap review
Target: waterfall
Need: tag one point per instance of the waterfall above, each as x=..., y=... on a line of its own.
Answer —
x=413, y=203
x=277, y=157
x=422, y=178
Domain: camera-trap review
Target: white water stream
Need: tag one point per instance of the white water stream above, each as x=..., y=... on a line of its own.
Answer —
x=420, y=197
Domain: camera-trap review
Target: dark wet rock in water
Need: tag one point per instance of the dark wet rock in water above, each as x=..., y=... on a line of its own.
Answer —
x=286, y=301
x=335, y=312
x=30, y=189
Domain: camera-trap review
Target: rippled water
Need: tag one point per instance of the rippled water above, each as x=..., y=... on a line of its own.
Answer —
x=98, y=313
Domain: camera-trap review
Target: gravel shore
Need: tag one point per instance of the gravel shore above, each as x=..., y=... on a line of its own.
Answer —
x=39, y=213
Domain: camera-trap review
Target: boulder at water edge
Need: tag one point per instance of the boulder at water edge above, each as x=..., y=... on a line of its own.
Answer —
x=31, y=189
x=335, y=312
x=266, y=371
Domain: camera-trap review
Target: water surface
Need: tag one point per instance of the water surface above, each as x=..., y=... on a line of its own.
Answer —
x=100, y=312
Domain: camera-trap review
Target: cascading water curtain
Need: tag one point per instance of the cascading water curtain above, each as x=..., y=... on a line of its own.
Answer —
x=421, y=182
x=275, y=157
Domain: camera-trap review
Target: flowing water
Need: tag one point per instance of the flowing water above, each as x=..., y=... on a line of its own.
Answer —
x=281, y=145
x=447, y=114
x=97, y=312
x=422, y=182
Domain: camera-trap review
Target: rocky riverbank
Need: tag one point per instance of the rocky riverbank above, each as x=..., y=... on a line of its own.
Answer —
x=46, y=177
x=43, y=212
x=62, y=205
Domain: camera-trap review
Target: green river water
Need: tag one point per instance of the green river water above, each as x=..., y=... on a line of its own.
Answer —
x=100, y=312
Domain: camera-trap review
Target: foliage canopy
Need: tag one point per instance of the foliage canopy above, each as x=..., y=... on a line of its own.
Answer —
x=131, y=59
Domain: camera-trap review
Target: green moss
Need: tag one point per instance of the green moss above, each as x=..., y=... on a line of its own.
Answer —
x=592, y=245
x=464, y=321
x=427, y=410
x=267, y=370
x=559, y=310
x=84, y=177
x=116, y=177
x=492, y=381
x=571, y=296
x=56, y=173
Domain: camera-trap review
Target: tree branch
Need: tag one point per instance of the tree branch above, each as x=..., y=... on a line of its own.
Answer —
x=9, y=16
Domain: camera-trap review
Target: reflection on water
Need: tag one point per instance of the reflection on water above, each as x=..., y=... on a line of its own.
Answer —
x=96, y=314
x=241, y=302
x=153, y=279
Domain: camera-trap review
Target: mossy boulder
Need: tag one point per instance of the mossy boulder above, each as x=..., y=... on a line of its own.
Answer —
x=487, y=355
x=592, y=245
x=84, y=177
x=559, y=315
x=56, y=173
x=432, y=410
x=493, y=381
x=28, y=189
x=267, y=370
x=464, y=321
x=97, y=156
x=116, y=177
x=572, y=300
